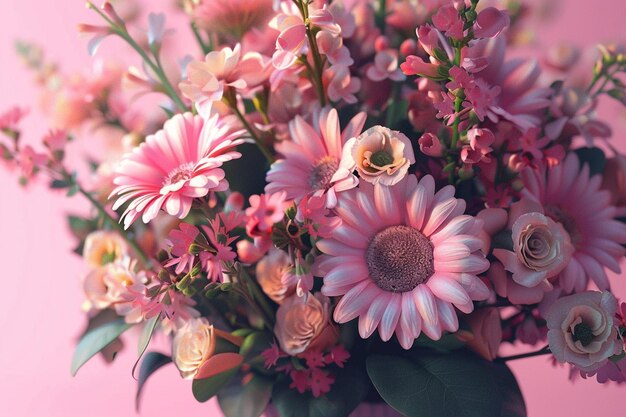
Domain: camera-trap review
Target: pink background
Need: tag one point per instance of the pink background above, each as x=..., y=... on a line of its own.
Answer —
x=41, y=315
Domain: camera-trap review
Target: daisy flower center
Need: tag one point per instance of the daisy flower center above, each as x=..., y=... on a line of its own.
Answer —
x=181, y=173
x=322, y=172
x=399, y=258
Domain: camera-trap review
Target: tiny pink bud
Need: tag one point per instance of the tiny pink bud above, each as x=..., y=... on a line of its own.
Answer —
x=430, y=145
x=381, y=43
x=408, y=47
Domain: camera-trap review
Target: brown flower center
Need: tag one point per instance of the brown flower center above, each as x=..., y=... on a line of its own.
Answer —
x=322, y=172
x=400, y=258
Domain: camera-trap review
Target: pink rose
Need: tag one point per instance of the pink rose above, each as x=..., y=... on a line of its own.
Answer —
x=581, y=329
x=541, y=247
x=270, y=272
x=303, y=323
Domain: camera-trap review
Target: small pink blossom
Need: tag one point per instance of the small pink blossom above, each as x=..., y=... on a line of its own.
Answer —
x=448, y=20
x=490, y=22
x=10, y=119
x=415, y=65
x=431, y=145
x=480, y=141
x=265, y=210
x=227, y=68
x=341, y=84
x=385, y=66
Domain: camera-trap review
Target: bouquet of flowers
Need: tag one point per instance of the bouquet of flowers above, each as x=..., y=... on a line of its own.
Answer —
x=331, y=204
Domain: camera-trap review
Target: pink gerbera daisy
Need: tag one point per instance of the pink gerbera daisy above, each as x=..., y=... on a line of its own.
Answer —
x=574, y=198
x=312, y=163
x=402, y=259
x=175, y=165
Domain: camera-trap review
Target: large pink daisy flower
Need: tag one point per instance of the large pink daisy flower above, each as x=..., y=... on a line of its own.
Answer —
x=402, y=259
x=312, y=163
x=574, y=198
x=172, y=167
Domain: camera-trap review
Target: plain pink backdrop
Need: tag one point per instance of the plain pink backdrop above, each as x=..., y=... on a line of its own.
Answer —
x=40, y=311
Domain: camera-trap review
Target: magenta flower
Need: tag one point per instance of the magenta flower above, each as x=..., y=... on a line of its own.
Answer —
x=403, y=258
x=174, y=166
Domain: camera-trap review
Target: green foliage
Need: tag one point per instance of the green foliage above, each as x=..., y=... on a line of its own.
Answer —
x=248, y=400
x=150, y=364
x=348, y=391
x=594, y=157
x=95, y=340
x=459, y=385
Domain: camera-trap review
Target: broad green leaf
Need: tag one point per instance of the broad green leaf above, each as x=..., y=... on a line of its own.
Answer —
x=95, y=340
x=216, y=372
x=347, y=392
x=249, y=400
x=150, y=364
x=452, y=385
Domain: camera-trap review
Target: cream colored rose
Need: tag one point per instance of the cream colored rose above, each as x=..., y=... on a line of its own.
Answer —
x=193, y=344
x=108, y=285
x=541, y=249
x=300, y=321
x=270, y=272
x=581, y=329
x=381, y=155
x=102, y=247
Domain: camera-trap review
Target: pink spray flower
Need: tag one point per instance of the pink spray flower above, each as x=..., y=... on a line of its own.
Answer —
x=402, y=258
x=173, y=167
x=430, y=145
x=490, y=22
x=415, y=65
x=227, y=68
x=448, y=20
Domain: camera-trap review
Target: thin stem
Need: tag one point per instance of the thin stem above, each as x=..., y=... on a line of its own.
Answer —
x=458, y=102
x=121, y=31
x=205, y=48
x=107, y=217
x=255, y=136
x=543, y=351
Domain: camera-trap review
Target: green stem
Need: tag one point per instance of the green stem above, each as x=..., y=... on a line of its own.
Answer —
x=121, y=31
x=250, y=129
x=205, y=48
x=458, y=102
x=109, y=219
x=259, y=296
x=543, y=351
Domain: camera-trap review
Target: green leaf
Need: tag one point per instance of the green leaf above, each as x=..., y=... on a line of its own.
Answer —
x=150, y=364
x=146, y=334
x=247, y=401
x=447, y=343
x=255, y=343
x=594, y=157
x=458, y=385
x=347, y=392
x=216, y=372
x=396, y=112
x=95, y=340
x=59, y=184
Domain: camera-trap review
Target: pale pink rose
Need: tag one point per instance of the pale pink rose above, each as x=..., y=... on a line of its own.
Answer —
x=486, y=329
x=193, y=344
x=581, y=329
x=102, y=247
x=270, y=272
x=300, y=321
x=541, y=247
x=430, y=145
x=381, y=155
x=226, y=68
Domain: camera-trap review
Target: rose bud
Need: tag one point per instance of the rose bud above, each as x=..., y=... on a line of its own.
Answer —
x=581, y=329
x=381, y=155
x=102, y=247
x=430, y=145
x=303, y=323
x=193, y=344
x=270, y=272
